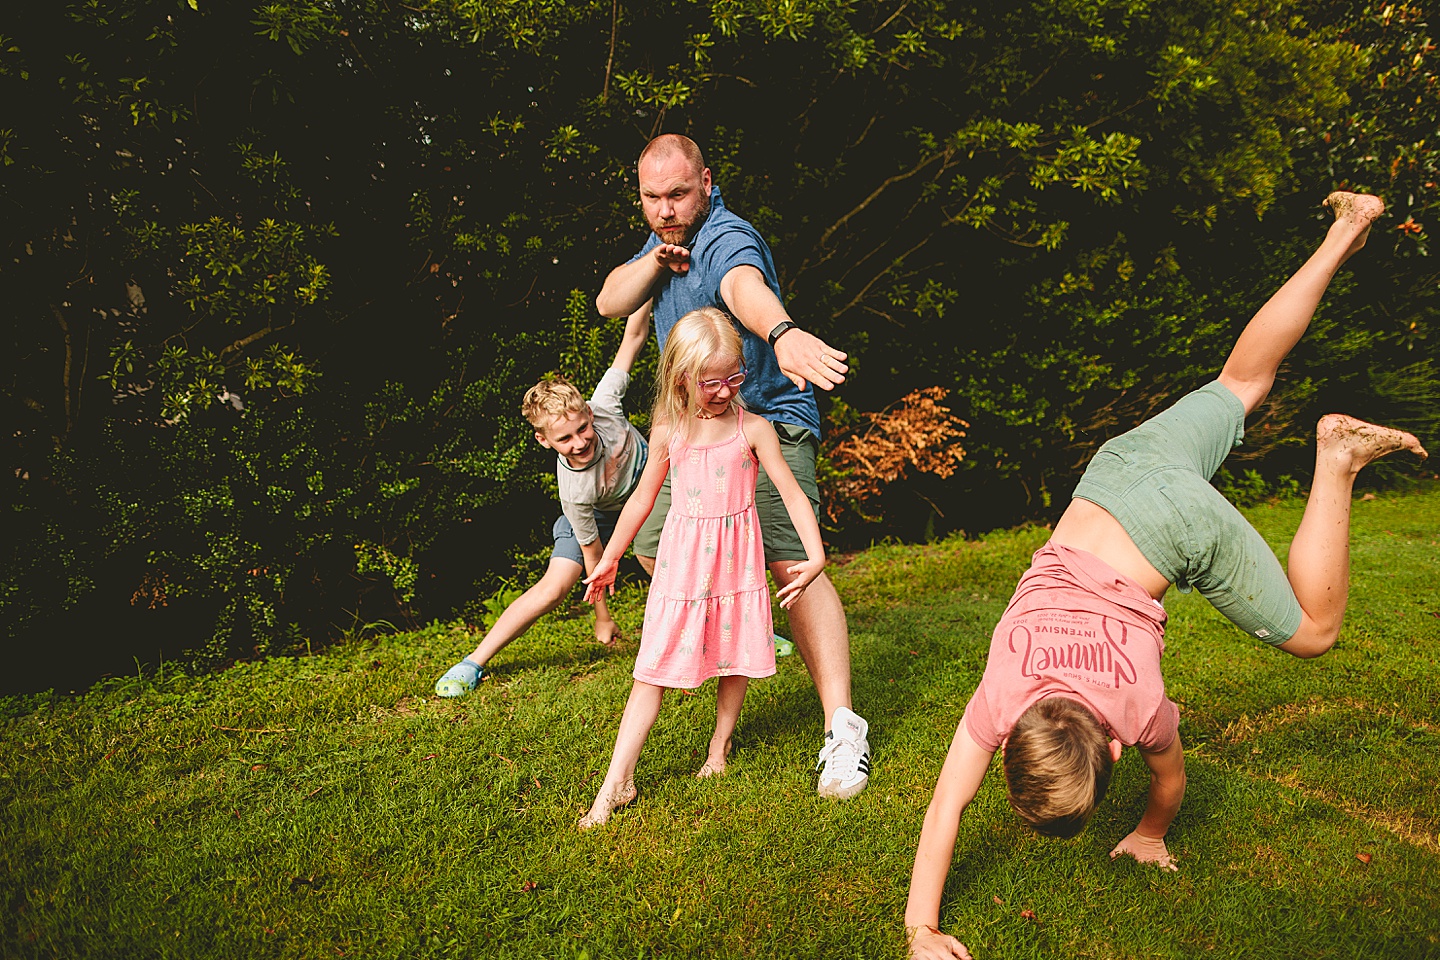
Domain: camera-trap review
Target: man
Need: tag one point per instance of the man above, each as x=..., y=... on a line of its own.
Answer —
x=699, y=254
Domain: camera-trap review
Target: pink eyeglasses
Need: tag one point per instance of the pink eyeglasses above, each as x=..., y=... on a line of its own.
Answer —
x=713, y=386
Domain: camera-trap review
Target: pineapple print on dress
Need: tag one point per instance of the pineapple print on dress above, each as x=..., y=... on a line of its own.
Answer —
x=709, y=615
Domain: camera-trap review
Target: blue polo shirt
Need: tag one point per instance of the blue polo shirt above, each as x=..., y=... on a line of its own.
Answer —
x=723, y=242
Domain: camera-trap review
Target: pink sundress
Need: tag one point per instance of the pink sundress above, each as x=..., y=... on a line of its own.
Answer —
x=708, y=614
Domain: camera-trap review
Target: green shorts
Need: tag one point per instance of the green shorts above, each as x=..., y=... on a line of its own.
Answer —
x=800, y=448
x=1155, y=480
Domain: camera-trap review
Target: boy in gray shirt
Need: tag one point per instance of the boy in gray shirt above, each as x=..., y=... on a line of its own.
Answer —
x=601, y=456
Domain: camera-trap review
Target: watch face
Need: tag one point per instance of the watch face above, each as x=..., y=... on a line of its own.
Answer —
x=780, y=328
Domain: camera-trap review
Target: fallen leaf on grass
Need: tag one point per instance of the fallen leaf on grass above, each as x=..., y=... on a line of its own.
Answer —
x=430, y=756
x=1368, y=496
x=997, y=899
x=1363, y=857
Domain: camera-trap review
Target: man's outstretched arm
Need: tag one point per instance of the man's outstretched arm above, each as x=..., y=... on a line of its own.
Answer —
x=960, y=779
x=1146, y=842
x=803, y=356
x=628, y=286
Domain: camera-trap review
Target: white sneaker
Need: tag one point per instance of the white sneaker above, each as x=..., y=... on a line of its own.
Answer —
x=845, y=758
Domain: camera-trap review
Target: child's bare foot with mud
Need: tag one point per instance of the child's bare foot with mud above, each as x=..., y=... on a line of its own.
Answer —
x=607, y=803
x=1354, y=213
x=1350, y=444
x=717, y=761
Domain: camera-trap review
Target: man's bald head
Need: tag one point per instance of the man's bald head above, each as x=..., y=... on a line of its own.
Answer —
x=674, y=187
x=671, y=144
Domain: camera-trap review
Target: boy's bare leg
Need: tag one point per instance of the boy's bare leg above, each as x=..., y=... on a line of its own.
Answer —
x=619, y=787
x=728, y=700
x=560, y=577
x=1320, y=553
x=1273, y=332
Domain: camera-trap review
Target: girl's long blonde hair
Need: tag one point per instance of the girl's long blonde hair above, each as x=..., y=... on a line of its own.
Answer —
x=698, y=339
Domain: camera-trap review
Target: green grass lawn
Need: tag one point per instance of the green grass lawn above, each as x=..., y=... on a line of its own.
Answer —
x=332, y=807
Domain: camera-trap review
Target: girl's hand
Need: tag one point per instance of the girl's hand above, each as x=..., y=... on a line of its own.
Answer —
x=804, y=573
x=928, y=942
x=1146, y=850
x=602, y=577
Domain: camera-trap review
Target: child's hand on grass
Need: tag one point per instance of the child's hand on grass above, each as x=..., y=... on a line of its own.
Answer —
x=1146, y=850
x=600, y=579
x=928, y=943
x=607, y=632
x=804, y=573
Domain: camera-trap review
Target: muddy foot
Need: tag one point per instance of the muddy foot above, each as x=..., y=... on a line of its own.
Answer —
x=1357, y=443
x=606, y=804
x=716, y=762
x=1354, y=212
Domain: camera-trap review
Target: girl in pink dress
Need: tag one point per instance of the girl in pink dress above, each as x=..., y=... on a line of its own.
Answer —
x=708, y=614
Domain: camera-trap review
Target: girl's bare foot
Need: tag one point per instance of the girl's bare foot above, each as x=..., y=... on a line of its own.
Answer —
x=607, y=803
x=716, y=761
x=1354, y=212
x=1353, y=443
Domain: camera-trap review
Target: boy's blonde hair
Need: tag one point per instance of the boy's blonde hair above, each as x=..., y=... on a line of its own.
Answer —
x=550, y=400
x=1057, y=766
x=698, y=339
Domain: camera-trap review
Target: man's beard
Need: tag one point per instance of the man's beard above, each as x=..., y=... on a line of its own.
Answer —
x=688, y=228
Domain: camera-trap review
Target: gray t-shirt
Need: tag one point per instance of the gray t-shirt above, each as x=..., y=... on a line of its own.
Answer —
x=612, y=475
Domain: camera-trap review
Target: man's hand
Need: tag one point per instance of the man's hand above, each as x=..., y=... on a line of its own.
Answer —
x=1146, y=850
x=804, y=358
x=931, y=944
x=673, y=256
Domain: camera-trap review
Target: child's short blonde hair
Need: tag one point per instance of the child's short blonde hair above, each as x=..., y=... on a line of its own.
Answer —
x=550, y=400
x=1057, y=766
x=698, y=339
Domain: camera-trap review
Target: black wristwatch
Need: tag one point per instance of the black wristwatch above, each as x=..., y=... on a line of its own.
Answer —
x=780, y=329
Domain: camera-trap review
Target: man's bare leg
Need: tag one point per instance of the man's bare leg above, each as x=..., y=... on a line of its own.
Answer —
x=1273, y=332
x=1320, y=553
x=822, y=635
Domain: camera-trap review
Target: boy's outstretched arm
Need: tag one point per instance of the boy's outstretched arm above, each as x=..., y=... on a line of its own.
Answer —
x=960, y=779
x=637, y=329
x=1146, y=842
x=606, y=630
x=637, y=508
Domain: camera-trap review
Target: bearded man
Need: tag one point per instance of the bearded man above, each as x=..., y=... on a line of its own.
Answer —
x=699, y=254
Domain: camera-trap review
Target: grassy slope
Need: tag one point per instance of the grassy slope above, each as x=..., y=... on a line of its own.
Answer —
x=329, y=807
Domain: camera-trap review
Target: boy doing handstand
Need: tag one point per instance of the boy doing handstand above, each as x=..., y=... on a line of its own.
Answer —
x=601, y=456
x=1074, y=665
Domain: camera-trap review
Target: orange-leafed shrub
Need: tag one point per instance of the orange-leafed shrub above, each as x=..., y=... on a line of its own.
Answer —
x=866, y=452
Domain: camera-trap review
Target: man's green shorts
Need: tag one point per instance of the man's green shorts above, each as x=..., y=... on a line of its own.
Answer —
x=1156, y=481
x=800, y=448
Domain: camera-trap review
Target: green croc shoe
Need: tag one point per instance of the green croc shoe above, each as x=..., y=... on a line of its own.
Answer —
x=458, y=680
